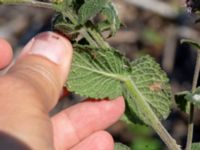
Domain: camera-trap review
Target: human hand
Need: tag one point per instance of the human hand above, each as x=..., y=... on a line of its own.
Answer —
x=32, y=87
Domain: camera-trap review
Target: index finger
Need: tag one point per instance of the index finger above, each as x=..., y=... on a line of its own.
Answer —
x=78, y=122
x=6, y=53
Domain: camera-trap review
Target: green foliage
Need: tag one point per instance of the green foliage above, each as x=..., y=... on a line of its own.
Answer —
x=113, y=23
x=120, y=146
x=102, y=73
x=151, y=85
x=194, y=97
x=195, y=146
x=89, y=9
x=192, y=43
x=75, y=16
x=181, y=101
x=97, y=73
x=63, y=25
x=146, y=144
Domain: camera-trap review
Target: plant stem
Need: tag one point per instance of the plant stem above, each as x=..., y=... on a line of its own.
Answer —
x=93, y=37
x=88, y=38
x=191, y=117
x=98, y=38
x=151, y=117
x=27, y=3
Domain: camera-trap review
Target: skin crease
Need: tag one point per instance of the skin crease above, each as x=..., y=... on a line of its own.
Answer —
x=32, y=87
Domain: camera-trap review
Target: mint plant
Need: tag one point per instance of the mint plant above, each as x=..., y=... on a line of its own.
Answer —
x=99, y=71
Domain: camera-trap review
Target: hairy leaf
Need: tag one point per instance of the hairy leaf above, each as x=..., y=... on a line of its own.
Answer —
x=112, y=18
x=120, y=146
x=150, y=87
x=129, y=117
x=102, y=73
x=64, y=5
x=97, y=73
x=195, y=146
x=90, y=8
x=63, y=25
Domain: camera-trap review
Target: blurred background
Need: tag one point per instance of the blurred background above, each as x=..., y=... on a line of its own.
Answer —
x=153, y=27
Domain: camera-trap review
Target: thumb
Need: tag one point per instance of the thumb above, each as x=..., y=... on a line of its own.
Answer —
x=43, y=66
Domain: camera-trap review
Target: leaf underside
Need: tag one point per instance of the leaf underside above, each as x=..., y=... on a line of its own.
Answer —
x=95, y=73
x=101, y=73
x=90, y=8
x=113, y=21
x=153, y=86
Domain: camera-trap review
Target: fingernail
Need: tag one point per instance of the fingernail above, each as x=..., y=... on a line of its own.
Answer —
x=50, y=46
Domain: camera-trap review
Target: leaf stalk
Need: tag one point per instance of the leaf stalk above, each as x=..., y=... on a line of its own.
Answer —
x=151, y=117
x=33, y=3
x=192, y=108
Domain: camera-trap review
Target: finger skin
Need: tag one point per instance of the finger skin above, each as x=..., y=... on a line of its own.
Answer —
x=100, y=140
x=32, y=87
x=83, y=119
x=29, y=90
x=6, y=53
x=42, y=76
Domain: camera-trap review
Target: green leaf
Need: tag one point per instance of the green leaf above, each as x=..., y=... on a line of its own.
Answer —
x=120, y=146
x=146, y=144
x=112, y=18
x=181, y=101
x=129, y=117
x=63, y=25
x=195, y=146
x=150, y=89
x=102, y=73
x=97, y=73
x=103, y=26
x=64, y=5
x=191, y=42
x=89, y=9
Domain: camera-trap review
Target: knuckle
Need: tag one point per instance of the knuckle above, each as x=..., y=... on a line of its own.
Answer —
x=39, y=78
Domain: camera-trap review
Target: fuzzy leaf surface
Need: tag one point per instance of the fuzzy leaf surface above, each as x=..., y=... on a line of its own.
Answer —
x=102, y=73
x=96, y=73
x=151, y=87
x=112, y=18
x=90, y=8
x=120, y=146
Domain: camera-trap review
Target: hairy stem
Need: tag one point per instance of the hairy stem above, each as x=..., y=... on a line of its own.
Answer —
x=152, y=118
x=98, y=38
x=93, y=37
x=191, y=117
x=89, y=38
x=27, y=3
